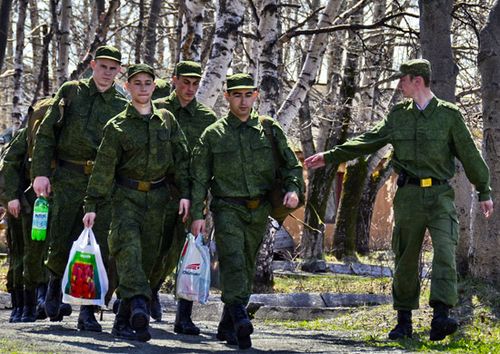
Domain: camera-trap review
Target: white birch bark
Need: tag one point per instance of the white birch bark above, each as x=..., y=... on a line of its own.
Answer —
x=36, y=40
x=192, y=30
x=269, y=56
x=228, y=22
x=17, y=99
x=486, y=241
x=150, y=35
x=310, y=69
x=63, y=41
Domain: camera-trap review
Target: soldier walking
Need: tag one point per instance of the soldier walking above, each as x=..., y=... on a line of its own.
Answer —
x=193, y=118
x=139, y=147
x=234, y=160
x=427, y=134
x=70, y=134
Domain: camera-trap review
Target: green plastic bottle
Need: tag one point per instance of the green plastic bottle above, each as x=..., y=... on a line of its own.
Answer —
x=40, y=219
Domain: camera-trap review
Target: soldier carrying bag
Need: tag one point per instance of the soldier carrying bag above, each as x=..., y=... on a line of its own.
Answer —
x=279, y=212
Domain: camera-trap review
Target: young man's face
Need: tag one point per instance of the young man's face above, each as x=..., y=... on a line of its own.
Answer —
x=141, y=87
x=186, y=88
x=105, y=71
x=241, y=102
x=408, y=86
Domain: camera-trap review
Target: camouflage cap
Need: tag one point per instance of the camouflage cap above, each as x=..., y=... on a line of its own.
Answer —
x=188, y=68
x=240, y=81
x=414, y=67
x=108, y=52
x=135, y=69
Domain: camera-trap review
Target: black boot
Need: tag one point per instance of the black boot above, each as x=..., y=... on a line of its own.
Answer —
x=442, y=325
x=53, y=297
x=155, y=305
x=116, y=305
x=139, y=318
x=121, y=326
x=17, y=299
x=64, y=310
x=183, y=323
x=29, y=309
x=225, y=330
x=404, y=328
x=41, y=292
x=86, y=319
x=242, y=325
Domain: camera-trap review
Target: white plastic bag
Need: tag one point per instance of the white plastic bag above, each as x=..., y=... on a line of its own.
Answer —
x=193, y=270
x=85, y=281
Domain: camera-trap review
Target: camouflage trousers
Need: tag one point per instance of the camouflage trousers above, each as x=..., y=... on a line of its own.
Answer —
x=136, y=230
x=417, y=209
x=66, y=219
x=15, y=243
x=174, y=235
x=34, y=271
x=238, y=234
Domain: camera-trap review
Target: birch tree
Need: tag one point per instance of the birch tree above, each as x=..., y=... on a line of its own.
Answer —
x=17, y=99
x=192, y=29
x=4, y=28
x=229, y=19
x=486, y=241
x=63, y=41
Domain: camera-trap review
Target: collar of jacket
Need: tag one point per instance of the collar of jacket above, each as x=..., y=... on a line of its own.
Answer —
x=427, y=112
x=106, y=95
x=131, y=112
x=253, y=120
x=190, y=108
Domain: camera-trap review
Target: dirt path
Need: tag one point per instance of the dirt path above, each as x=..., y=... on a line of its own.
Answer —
x=62, y=337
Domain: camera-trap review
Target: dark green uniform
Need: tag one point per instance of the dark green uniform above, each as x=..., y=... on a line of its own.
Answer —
x=193, y=119
x=137, y=148
x=17, y=180
x=425, y=145
x=235, y=161
x=72, y=139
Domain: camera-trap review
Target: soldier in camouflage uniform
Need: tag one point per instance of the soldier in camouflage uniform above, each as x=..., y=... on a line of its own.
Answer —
x=70, y=133
x=139, y=147
x=234, y=160
x=193, y=118
x=426, y=133
x=15, y=169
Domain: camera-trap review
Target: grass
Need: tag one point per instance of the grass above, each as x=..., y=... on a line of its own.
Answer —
x=4, y=266
x=478, y=312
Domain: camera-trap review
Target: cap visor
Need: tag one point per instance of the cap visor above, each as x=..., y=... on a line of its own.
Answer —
x=141, y=72
x=191, y=74
x=108, y=57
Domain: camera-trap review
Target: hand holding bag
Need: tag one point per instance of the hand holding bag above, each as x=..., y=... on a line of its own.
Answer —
x=193, y=270
x=85, y=281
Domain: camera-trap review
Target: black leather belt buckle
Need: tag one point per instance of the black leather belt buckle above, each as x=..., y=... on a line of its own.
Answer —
x=252, y=203
x=143, y=186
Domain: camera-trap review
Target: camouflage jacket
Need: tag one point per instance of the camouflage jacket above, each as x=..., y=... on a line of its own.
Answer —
x=193, y=118
x=14, y=167
x=235, y=159
x=72, y=128
x=139, y=148
x=425, y=144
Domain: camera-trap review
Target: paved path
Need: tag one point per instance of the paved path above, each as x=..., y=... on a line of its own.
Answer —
x=62, y=337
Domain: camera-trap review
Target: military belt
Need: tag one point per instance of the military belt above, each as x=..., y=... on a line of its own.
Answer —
x=84, y=167
x=426, y=182
x=142, y=186
x=253, y=203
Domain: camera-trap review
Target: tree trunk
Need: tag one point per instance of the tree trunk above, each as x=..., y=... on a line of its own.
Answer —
x=17, y=99
x=486, y=241
x=150, y=42
x=36, y=37
x=92, y=26
x=435, y=37
x=139, y=36
x=192, y=29
x=263, y=280
x=289, y=109
x=228, y=22
x=269, y=56
x=4, y=28
x=63, y=41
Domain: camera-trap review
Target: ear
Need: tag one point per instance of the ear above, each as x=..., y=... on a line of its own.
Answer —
x=255, y=93
x=92, y=64
x=125, y=85
x=226, y=95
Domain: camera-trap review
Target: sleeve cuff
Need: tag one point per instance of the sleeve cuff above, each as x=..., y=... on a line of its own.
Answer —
x=484, y=196
x=328, y=156
x=90, y=207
